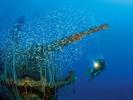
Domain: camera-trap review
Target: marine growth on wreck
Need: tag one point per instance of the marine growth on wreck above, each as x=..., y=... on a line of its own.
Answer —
x=30, y=72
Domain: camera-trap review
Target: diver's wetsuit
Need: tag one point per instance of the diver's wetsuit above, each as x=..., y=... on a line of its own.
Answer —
x=95, y=72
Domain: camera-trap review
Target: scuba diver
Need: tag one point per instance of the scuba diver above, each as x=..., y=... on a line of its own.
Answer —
x=97, y=68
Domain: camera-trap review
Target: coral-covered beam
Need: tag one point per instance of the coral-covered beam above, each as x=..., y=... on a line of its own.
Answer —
x=75, y=37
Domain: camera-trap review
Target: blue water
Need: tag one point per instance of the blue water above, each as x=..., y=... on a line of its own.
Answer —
x=115, y=44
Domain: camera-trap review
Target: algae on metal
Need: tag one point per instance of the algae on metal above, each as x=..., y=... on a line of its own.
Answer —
x=27, y=72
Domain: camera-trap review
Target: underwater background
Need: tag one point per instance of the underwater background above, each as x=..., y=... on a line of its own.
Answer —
x=115, y=45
